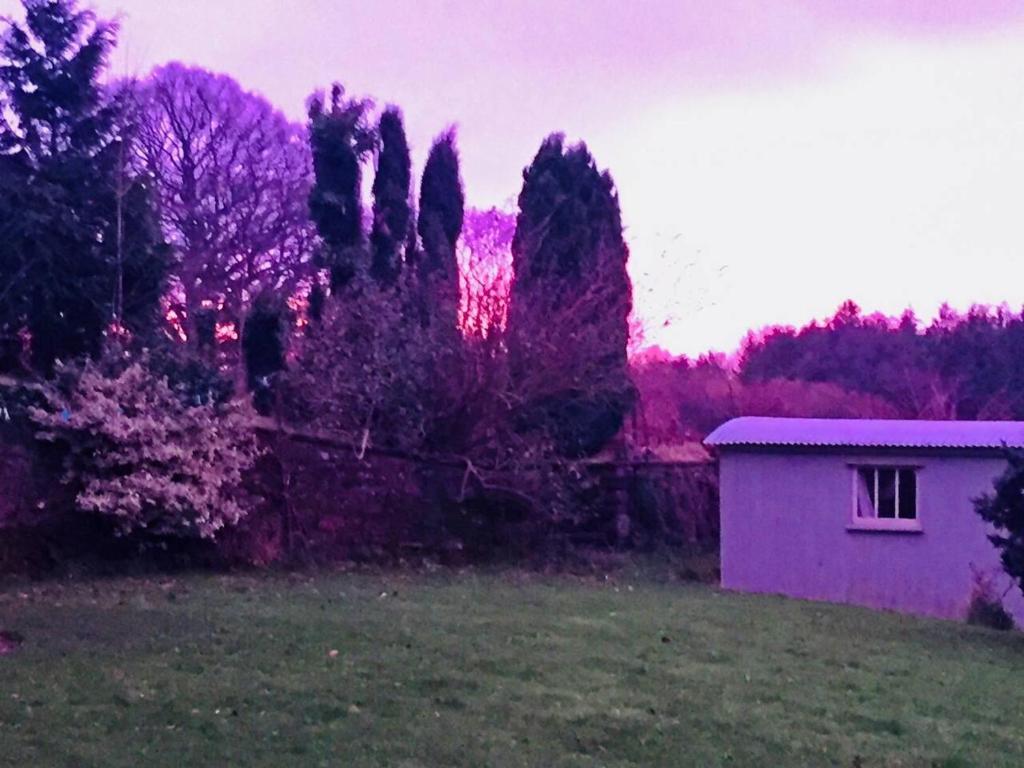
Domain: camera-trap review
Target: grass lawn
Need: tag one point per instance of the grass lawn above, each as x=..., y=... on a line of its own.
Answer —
x=490, y=670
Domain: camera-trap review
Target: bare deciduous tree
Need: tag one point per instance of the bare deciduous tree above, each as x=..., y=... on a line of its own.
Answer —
x=485, y=272
x=234, y=177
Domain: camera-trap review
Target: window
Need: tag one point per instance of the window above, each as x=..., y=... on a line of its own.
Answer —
x=885, y=497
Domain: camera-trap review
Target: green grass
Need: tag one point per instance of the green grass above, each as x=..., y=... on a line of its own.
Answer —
x=490, y=670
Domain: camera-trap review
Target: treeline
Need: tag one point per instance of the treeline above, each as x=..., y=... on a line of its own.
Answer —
x=959, y=366
x=175, y=245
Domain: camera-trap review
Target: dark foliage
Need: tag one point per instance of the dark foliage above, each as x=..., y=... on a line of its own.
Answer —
x=391, y=190
x=570, y=300
x=146, y=260
x=317, y=298
x=340, y=139
x=505, y=408
x=13, y=349
x=362, y=371
x=263, y=347
x=681, y=400
x=62, y=183
x=192, y=374
x=960, y=367
x=204, y=329
x=568, y=219
x=979, y=360
x=984, y=611
x=442, y=208
x=1004, y=510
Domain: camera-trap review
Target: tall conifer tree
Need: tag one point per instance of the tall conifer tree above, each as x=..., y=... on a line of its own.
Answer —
x=391, y=209
x=81, y=249
x=570, y=301
x=442, y=207
x=340, y=140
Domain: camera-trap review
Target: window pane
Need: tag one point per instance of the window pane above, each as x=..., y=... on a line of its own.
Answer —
x=886, y=505
x=908, y=494
x=865, y=492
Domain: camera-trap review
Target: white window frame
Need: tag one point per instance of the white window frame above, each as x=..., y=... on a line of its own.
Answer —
x=891, y=524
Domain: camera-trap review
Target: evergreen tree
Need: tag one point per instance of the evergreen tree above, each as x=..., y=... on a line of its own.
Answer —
x=570, y=301
x=143, y=259
x=391, y=214
x=263, y=349
x=80, y=248
x=442, y=204
x=1003, y=509
x=340, y=140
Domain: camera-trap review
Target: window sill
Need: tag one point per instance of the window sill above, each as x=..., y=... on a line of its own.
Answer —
x=887, y=526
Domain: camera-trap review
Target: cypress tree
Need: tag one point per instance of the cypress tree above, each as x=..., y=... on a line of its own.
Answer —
x=570, y=301
x=442, y=207
x=391, y=214
x=339, y=139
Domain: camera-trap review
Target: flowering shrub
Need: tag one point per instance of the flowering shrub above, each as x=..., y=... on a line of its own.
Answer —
x=141, y=457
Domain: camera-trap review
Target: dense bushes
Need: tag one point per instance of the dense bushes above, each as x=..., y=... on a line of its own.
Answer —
x=681, y=401
x=140, y=457
x=323, y=504
x=365, y=370
x=391, y=333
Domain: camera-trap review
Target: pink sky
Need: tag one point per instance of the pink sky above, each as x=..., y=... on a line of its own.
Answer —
x=773, y=157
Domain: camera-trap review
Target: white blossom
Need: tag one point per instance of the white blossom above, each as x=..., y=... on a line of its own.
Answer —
x=140, y=456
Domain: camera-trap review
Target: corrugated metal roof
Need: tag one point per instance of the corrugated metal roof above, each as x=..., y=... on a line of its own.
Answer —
x=867, y=433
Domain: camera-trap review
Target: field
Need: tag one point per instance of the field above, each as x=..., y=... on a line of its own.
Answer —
x=490, y=670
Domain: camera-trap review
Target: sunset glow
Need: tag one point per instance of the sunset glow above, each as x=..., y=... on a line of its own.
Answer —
x=462, y=383
x=773, y=159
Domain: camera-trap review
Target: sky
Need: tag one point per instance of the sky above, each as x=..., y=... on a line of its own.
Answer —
x=773, y=157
